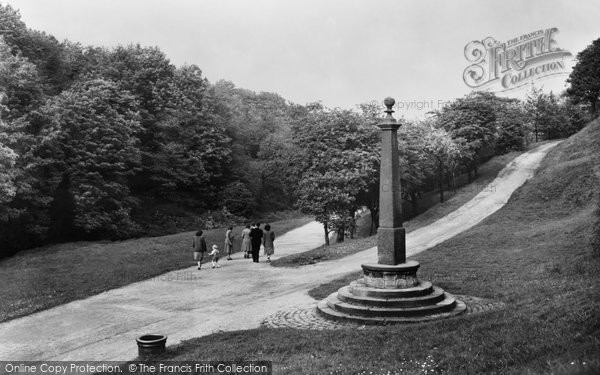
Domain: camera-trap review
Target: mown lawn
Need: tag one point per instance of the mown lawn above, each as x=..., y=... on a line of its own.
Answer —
x=41, y=278
x=534, y=255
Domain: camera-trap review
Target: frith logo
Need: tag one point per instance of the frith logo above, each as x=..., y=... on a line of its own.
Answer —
x=514, y=63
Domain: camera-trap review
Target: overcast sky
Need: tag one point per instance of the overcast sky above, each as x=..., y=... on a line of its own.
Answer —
x=339, y=52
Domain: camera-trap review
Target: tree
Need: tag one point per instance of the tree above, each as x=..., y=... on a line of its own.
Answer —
x=19, y=96
x=576, y=116
x=415, y=163
x=552, y=116
x=53, y=60
x=8, y=173
x=472, y=119
x=20, y=83
x=511, y=126
x=87, y=151
x=191, y=152
x=445, y=154
x=259, y=126
x=584, y=80
x=337, y=160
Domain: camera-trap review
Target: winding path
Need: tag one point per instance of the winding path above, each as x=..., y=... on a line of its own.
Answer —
x=190, y=303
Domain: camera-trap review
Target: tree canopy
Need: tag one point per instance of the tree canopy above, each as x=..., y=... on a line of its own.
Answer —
x=584, y=80
x=100, y=142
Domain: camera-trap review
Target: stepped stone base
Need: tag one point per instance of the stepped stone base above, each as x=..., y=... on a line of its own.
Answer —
x=390, y=294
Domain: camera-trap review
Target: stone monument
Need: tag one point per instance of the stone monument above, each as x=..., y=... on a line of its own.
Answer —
x=390, y=291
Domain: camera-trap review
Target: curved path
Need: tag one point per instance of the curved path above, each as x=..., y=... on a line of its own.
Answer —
x=190, y=303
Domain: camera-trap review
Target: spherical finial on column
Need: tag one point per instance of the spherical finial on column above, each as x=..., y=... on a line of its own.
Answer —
x=389, y=103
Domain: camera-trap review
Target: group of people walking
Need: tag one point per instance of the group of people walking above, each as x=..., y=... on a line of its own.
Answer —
x=252, y=239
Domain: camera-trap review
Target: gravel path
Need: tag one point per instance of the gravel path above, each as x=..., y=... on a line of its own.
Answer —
x=240, y=295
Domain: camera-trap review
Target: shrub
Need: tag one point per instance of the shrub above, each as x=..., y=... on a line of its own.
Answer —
x=238, y=199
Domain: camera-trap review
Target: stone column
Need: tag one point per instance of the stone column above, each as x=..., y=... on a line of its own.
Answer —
x=391, y=243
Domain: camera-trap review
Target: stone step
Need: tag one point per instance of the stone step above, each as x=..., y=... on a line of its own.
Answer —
x=445, y=305
x=358, y=288
x=375, y=300
x=324, y=310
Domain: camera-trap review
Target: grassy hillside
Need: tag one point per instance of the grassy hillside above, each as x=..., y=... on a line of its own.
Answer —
x=534, y=255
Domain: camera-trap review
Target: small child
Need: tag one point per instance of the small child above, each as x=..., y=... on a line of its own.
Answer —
x=215, y=256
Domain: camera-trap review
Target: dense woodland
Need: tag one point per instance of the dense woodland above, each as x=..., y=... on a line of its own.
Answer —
x=112, y=143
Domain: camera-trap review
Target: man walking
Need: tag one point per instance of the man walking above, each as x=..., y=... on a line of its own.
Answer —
x=256, y=235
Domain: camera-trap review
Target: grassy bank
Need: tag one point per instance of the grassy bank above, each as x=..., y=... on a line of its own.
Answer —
x=534, y=255
x=487, y=173
x=41, y=278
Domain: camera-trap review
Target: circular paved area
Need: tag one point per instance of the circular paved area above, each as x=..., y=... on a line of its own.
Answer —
x=308, y=318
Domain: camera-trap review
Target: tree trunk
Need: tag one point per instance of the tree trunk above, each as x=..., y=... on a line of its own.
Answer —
x=62, y=212
x=353, y=222
x=326, y=228
x=454, y=181
x=414, y=203
x=340, y=234
x=441, y=187
x=374, y=211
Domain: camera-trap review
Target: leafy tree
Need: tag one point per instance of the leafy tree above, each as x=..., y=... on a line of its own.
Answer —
x=472, y=119
x=8, y=173
x=148, y=75
x=575, y=115
x=259, y=126
x=20, y=83
x=184, y=150
x=415, y=163
x=192, y=153
x=511, y=127
x=444, y=153
x=337, y=159
x=52, y=59
x=584, y=80
x=87, y=150
x=552, y=116
x=539, y=111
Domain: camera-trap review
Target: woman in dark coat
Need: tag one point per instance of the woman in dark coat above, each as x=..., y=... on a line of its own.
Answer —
x=199, y=246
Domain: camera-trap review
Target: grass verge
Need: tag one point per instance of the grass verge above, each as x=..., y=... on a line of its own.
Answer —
x=487, y=173
x=37, y=279
x=534, y=255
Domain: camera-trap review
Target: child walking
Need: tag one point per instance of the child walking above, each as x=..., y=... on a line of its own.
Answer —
x=215, y=256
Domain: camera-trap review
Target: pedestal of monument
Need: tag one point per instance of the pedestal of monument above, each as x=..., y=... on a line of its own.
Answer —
x=390, y=294
x=390, y=291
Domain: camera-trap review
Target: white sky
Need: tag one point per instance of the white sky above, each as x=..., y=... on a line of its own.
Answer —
x=339, y=52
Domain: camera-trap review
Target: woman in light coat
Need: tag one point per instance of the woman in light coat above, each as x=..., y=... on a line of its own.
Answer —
x=268, y=239
x=246, y=246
